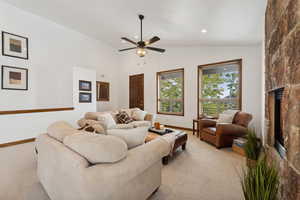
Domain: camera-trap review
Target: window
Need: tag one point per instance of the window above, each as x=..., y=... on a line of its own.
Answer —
x=219, y=87
x=170, y=92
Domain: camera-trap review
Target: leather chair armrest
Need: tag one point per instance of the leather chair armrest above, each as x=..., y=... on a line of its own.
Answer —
x=204, y=123
x=231, y=129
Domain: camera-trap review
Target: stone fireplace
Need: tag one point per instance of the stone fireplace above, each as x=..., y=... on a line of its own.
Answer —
x=282, y=48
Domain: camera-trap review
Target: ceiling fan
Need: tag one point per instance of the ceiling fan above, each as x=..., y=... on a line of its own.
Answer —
x=141, y=45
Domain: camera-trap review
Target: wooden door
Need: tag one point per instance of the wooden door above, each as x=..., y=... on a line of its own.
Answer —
x=136, y=91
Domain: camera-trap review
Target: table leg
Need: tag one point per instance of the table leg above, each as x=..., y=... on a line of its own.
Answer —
x=193, y=128
x=198, y=129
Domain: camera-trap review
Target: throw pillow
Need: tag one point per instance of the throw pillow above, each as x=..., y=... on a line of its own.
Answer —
x=91, y=126
x=107, y=121
x=127, y=110
x=139, y=115
x=123, y=118
x=225, y=118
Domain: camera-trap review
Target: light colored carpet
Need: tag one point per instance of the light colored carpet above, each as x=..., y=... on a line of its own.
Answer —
x=201, y=172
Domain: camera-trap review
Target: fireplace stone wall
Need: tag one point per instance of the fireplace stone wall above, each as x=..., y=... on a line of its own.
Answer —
x=282, y=61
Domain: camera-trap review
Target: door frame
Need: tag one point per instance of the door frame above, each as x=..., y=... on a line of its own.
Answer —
x=133, y=75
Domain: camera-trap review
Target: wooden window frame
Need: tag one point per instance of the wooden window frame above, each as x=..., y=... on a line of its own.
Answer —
x=98, y=84
x=239, y=62
x=157, y=92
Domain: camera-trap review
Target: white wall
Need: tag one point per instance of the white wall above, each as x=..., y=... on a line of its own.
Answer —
x=59, y=56
x=54, y=51
x=189, y=58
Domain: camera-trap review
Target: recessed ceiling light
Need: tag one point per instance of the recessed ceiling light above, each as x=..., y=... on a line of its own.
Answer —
x=136, y=37
x=123, y=41
x=203, y=30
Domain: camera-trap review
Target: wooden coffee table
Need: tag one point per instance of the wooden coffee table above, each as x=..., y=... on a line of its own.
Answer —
x=180, y=141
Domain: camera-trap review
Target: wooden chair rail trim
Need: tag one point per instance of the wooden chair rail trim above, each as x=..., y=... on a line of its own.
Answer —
x=13, y=112
x=17, y=142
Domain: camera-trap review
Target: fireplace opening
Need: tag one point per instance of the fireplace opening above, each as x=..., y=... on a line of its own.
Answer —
x=279, y=140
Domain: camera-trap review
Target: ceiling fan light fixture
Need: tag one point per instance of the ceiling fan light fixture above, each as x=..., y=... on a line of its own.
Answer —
x=142, y=45
x=141, y=52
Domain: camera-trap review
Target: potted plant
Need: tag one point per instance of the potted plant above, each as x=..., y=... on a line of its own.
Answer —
x=260, y=182
x=252, y=148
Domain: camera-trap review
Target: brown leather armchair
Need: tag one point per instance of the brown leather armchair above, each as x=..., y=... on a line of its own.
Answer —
x=222, y=135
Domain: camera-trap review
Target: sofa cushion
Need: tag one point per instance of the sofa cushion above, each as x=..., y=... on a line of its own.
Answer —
x=133, y=137
x=97, y=148
x=138, y=115
x=124, y=126
x=124, y=118
x=107, y=121
x=210, y=130
x=60, y=129
x=140, y=123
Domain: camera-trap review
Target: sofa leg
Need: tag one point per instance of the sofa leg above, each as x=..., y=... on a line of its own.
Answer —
x=165, y=160
x=183, y=146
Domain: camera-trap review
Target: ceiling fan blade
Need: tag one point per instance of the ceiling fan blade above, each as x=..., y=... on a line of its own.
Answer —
x=127, y=49
x=152, y=40
x=156, y=49
x=128, y=40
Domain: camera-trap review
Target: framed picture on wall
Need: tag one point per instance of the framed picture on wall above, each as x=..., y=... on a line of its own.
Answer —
x=102, y=91
x=85, y=97
x=14, y=78
x=85, y=85
x=14, y=45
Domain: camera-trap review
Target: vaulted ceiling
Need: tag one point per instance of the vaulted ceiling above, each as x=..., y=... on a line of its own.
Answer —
x=176, y=22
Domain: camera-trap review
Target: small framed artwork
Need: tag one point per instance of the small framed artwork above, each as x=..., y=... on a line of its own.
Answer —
x=14, y=78
x=85, y=97
x=85, y=85
x=14, y=45
x=102, y=91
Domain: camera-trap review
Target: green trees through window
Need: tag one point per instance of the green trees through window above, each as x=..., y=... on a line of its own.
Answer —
x=170, y=92
x=219, y=88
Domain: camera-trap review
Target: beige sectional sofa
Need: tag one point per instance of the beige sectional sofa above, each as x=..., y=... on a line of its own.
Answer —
x=133, y=133
x=76, y=165
x=92, y=117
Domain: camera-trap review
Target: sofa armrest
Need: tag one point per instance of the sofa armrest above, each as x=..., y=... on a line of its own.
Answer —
x=150, y=117
x=231, y=129
x=204, y=123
